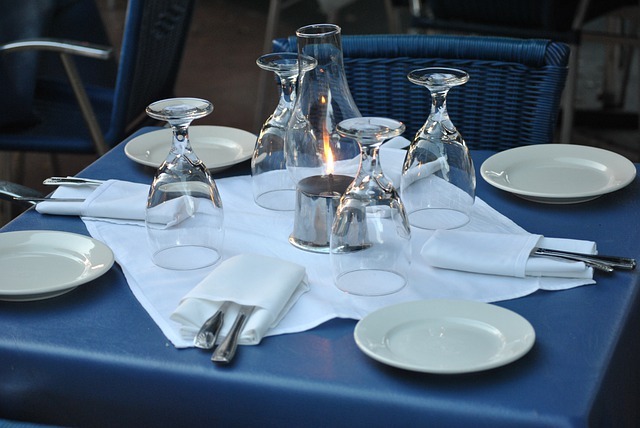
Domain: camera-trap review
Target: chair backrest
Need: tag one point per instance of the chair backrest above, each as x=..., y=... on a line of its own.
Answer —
x=152, y=46
x=511, y=99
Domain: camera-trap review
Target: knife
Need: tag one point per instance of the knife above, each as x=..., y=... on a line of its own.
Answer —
x=225, y=352
x=610, y=261
x=71, y=181
x=46, y=199
x=206, y=337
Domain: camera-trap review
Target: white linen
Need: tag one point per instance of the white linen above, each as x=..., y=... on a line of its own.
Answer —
x=270, y=284
x=252, y=229
x=114, y=199
x=503, y=254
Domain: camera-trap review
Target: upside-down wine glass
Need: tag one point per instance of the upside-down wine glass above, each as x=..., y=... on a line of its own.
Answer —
x=438, y=180
x=370, y=238
x=184, y=212
x=272, y=184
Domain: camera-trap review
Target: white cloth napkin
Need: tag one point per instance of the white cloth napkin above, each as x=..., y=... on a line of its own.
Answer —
x=252, y=229
x=270, y=284
x=504, y=254
x=114, y=199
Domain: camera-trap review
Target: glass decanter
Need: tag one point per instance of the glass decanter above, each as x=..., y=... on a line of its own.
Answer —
x=272, y=185
x=438, y=180
x=370, y=238
x=184, y=212
x=321, y=163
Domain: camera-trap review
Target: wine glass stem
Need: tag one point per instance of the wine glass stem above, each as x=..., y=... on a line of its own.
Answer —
x=369, y=161
x=439, y=105
x=181, y=143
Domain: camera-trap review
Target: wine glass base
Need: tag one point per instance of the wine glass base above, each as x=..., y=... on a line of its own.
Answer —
x=187, y=257
x=370, y=282
x=277, y=200
x=438, y=218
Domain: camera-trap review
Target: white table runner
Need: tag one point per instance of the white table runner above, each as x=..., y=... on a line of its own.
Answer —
x=252, y=229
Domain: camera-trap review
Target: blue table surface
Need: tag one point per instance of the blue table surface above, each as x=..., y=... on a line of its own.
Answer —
x=93, y=357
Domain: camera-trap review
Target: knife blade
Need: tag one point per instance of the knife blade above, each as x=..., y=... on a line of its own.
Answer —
x=71, y=181
x=225, y=352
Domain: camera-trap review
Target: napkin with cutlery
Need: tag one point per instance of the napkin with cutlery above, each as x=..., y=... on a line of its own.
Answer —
x=270, y=284
x=504, y=254
x=114, y=199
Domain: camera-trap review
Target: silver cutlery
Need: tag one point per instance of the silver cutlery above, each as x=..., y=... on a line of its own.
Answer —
x=225, y=352
x=9, y=191
x=602, y=262
x=208, y=334
x=43, y=199
x=71, y=181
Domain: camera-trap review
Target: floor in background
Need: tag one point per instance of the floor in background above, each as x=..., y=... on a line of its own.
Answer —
x=227, y=36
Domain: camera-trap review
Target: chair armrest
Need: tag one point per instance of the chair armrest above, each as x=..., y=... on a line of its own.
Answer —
x=61, y=46
x=66, y=49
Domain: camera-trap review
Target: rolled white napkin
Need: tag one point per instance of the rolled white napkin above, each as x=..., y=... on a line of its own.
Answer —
x=504, y=254
x=270, y=284
x=114, y=199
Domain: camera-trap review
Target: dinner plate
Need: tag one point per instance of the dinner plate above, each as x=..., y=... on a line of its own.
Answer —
x=444, y=336
x=40, y=264
x=219, y=147
x=558, y=173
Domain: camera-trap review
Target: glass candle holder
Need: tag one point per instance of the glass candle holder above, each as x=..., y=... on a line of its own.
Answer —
x=321, y=163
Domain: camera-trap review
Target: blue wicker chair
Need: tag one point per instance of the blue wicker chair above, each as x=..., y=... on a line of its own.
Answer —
x=559, y=20
x=511, y=99
x=79, y=118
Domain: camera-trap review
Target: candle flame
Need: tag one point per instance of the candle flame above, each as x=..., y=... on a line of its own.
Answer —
x=328, y=154
x=329, y=160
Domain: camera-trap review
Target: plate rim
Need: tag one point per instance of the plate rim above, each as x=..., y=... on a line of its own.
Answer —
x=48, y=291
x=628, y=175
x=528, y=334
x=247, y=145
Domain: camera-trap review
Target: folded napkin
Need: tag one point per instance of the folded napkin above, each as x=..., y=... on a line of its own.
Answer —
x=504, y=254
x=271, y=285
x=114, y=199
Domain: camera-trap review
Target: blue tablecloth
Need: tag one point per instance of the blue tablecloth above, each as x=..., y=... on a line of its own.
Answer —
x=93, y=357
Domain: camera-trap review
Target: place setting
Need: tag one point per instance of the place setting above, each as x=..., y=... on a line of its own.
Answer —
x=558, y=173
x=334, y=221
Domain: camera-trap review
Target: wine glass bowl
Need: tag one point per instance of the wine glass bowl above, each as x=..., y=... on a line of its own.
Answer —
x=438, y=179
x=370, y=237
x=184, y=217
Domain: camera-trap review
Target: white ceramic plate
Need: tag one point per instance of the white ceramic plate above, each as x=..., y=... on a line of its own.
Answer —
x=444, y=336
x=40, y=264
x=558, y=173
x=219, y=147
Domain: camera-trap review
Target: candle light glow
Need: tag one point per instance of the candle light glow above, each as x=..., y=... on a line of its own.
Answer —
x=329, y=160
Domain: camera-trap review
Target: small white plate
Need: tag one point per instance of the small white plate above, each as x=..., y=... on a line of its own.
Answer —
x=218, y=147
x=40, y=264
x=444, y=336
x=558, y=173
